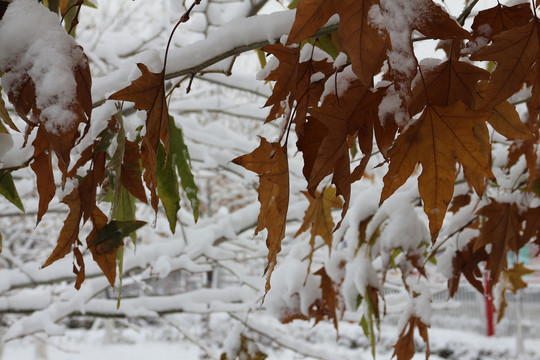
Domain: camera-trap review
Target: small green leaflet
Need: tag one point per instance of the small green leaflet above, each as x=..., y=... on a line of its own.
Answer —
x=167, y=186
x=179, y=154
x=7, y=188
x=110, y=237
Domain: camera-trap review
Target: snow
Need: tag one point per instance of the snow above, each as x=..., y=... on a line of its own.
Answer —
x=43, y=53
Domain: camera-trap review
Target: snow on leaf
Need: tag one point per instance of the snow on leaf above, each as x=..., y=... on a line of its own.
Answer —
x=493, y=21
x=293, y=82
x=365, y=44
x=270, y=162
x=148, y=93
x=436, y=140
x=324, y=143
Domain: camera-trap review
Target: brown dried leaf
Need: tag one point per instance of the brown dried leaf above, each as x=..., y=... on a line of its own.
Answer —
x=69, y=235
x=441, y=136
x=270, y=161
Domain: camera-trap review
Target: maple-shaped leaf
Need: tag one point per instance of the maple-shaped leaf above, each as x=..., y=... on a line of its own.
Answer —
x=365, y=44
x=148, y=93
x=436, y=23
x=511, y=280
x=69, y=235
x=469, y=263
x=324, y=142
x=318, y=217
x=293, y=83
x=502, y=232
x=446, y=84
x=404, y=349
x=504, y=117
x=436, y=140
x=493, y=21
x=270, y=162
x=514, y=51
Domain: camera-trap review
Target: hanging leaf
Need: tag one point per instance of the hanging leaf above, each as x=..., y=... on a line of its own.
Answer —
x=167, y=186
x=8, y=190
x=179, y=155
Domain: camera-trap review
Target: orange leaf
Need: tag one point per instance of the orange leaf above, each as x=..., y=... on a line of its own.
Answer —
x=515, y=51
x=69, y=234
x=148, y=93
x=446, y=84
x=293, y=83
x=364, y=43
x=42, y=167
x=501, y=231
x=79, y=268
x=270, y=161
x=130, y=174
x=499, y=18
x=404, y=349
x=511, y=280
x=319, y=217
x=504, y=117
x=439, y=137
x=325, y=307
x=106, y=261
x=324, y=142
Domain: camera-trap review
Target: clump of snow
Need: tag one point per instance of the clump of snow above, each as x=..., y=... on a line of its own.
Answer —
x=313, y=53
x=318, y=76
x=359, y=274
x=338, y=83
x=392, y=105
x=36, y=47
x=340, y=61
x=482, y=33
x=270, y=66
x=292, y=293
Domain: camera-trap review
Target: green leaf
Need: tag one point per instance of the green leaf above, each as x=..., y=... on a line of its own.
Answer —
x=294, y=4
x=125, y=209
x=167, y=186
x=7, y=188
x=120, y=262
x=110, y=237
x=179, y=154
